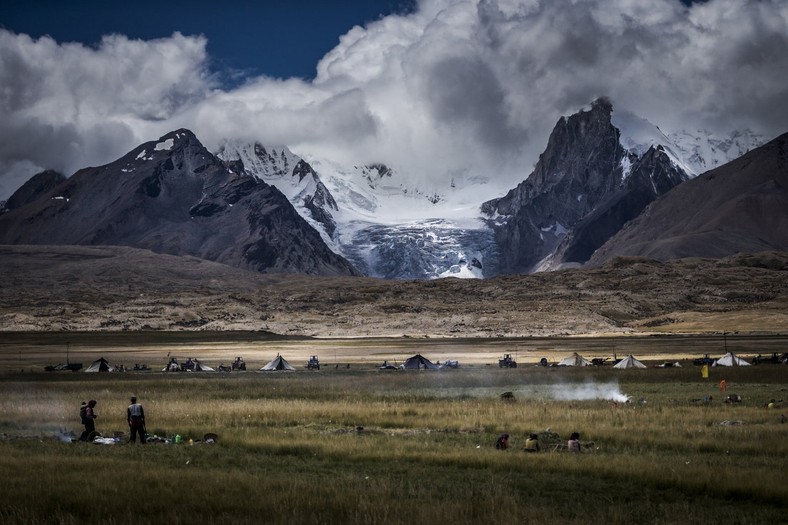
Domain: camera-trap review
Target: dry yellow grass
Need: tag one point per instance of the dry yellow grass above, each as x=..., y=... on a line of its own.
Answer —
x=369, y=446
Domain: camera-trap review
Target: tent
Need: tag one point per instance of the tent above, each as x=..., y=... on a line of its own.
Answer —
x=730, y=359
x=277, y=364
x=629, y=362
x=100, y=365
x=574, y=360
x=199, y=367
x=418, y=361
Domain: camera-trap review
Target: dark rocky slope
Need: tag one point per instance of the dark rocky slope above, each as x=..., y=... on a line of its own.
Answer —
x=173, y=196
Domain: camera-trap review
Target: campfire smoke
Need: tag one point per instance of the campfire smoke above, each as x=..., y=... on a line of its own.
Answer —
x=588, y=391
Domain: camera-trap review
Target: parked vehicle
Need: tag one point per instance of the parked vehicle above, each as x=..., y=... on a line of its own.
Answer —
x=507, y=362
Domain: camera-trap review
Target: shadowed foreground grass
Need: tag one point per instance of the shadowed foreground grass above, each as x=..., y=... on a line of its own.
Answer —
x=290, y=449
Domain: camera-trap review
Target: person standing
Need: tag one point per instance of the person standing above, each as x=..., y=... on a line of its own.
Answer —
x=88, y=421
x=136, y=417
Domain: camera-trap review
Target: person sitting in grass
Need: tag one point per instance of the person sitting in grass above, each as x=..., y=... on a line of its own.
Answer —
x=574, y=442
x=532, y=443
x=502, y=443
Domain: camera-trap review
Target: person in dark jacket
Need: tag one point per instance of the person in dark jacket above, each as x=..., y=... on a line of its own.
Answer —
x=502, y=443
x=88, y=421
x=136, y=417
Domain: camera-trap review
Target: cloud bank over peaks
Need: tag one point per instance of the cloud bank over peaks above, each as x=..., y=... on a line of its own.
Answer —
x=456, y=87
x=65, y=105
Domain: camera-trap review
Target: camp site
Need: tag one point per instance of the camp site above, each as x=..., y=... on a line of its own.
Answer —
x=413, y=441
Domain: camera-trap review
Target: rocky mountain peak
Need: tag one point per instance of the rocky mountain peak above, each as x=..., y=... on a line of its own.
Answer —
x=173, y=196
x=584, y=187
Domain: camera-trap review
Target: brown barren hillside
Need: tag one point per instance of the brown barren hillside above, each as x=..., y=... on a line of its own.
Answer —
x=53, y=288
x=739, y=207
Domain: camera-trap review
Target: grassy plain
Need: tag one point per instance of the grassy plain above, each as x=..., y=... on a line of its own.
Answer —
x=361, y=445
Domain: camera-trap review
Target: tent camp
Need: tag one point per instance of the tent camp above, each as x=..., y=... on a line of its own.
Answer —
x=418, y=362
x=730, y=359
x=629, y=362
x=574, y=360
x=279, y=363
x=100, y=365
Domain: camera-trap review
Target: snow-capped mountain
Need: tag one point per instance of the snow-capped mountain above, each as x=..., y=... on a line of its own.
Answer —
x=386, y=223
x=702, y=150
x=590, y=180
x=172, y=196
x=694, y=152
x=290, y=174
x=637, y=135
x=740, y=207
x=600, y=169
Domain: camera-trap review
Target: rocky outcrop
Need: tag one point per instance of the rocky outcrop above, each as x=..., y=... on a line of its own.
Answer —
x=651, y=176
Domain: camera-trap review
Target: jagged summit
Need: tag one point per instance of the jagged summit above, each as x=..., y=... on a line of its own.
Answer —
x=290, y=174
x=584, y=188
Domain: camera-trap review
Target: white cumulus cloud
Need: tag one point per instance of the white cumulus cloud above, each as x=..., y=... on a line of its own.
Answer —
x=471, y=86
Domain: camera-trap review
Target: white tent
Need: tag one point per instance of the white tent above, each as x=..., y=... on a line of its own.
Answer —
x=100, y=365
x=279, y=363
x=629, y=362
x=199, y=367
x=574, y=360
x=730, y=359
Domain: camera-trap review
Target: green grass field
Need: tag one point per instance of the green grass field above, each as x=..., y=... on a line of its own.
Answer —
x=361, y=445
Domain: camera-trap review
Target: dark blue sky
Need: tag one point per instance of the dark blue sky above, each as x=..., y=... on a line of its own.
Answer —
x=279, y=38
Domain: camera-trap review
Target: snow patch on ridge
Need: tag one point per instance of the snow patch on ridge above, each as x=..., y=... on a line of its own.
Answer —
x=164, y=146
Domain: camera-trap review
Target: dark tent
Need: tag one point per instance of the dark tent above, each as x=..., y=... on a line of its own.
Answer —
x=418, y=362
x=100, y=365
x=278, y=364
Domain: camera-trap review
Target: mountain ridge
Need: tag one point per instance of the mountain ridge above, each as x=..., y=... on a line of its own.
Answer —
x=600, y=169
x=173, y=196
x=747, y=211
